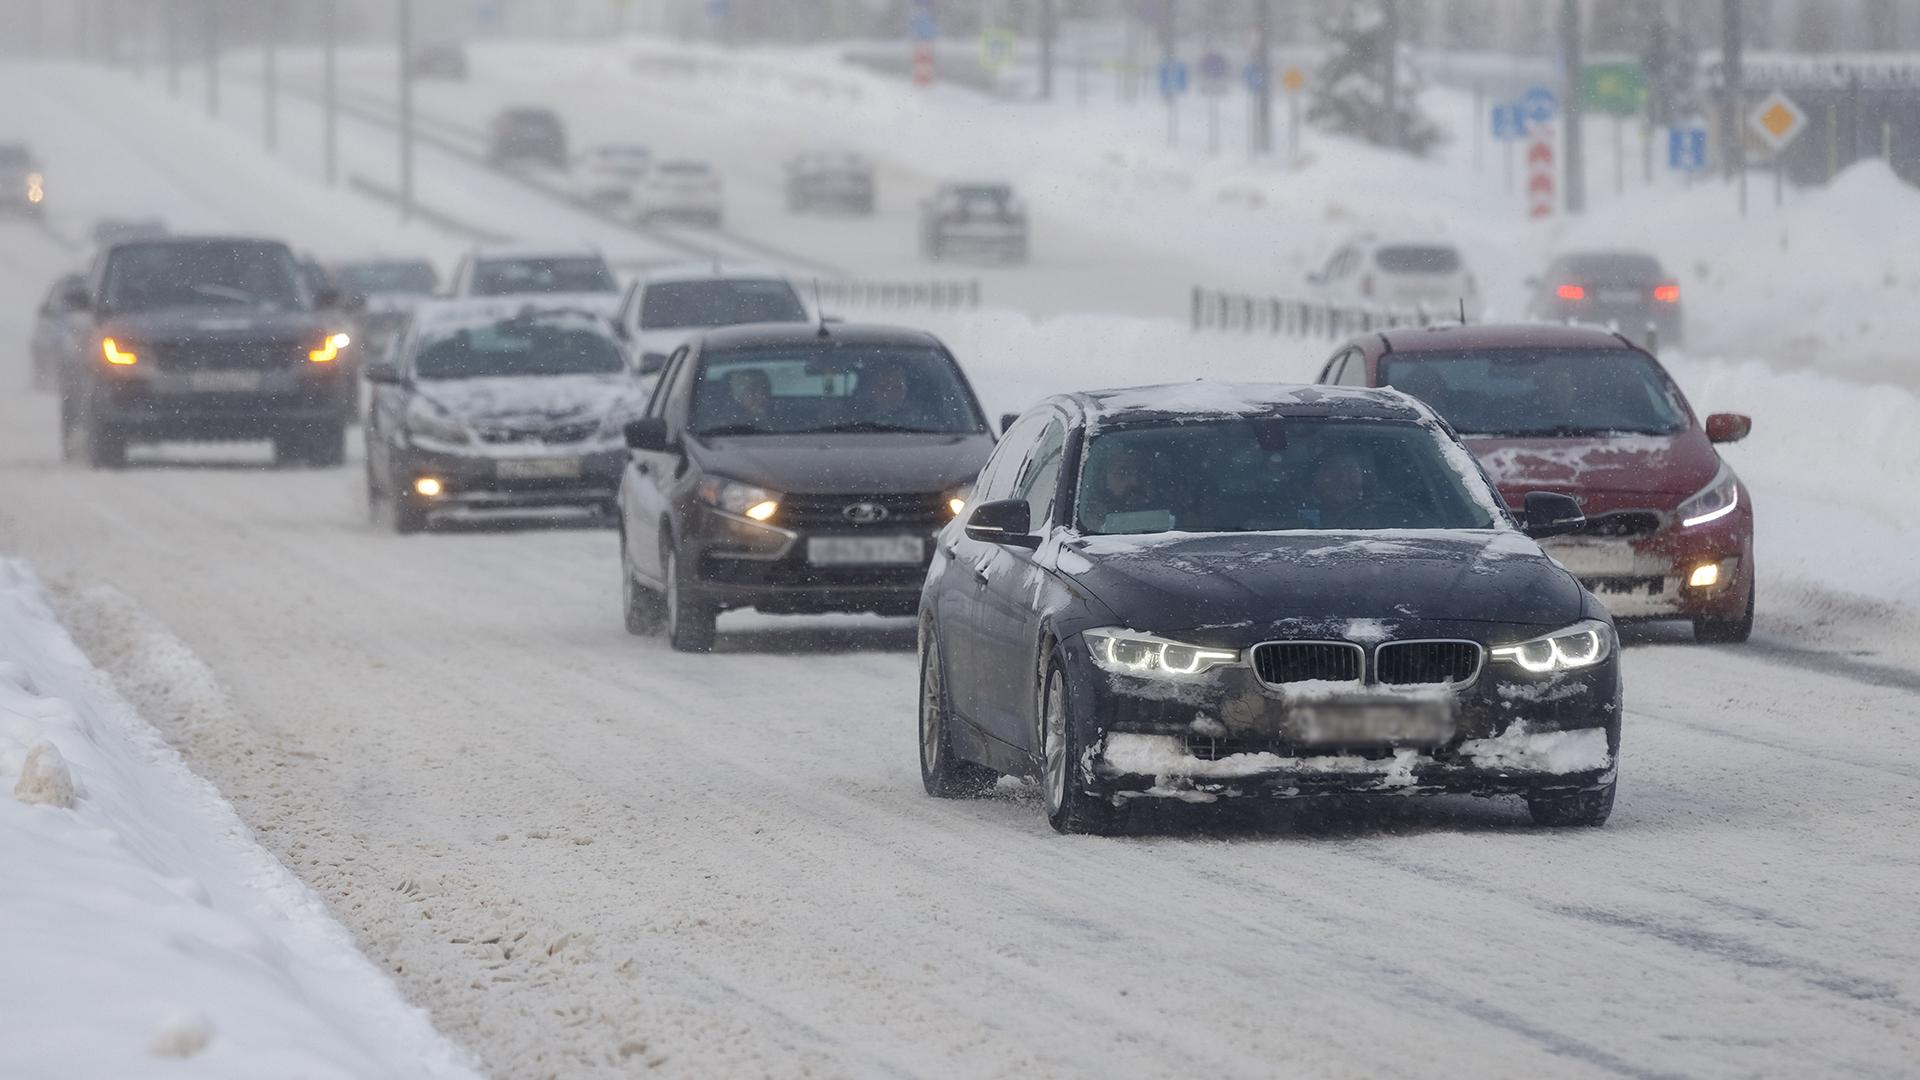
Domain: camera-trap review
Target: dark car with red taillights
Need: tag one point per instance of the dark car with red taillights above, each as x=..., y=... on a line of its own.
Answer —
x=1627, y=291
x=1669, y=525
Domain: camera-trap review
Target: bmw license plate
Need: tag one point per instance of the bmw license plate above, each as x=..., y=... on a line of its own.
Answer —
x=1421, y=723
x=225, y=382
x=554, y=468
x=865, y=550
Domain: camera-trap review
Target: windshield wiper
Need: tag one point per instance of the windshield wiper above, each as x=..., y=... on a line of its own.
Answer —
x=736, y=429
x=876, y=426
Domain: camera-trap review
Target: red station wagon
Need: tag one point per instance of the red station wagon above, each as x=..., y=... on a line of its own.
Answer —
x=1669, y=530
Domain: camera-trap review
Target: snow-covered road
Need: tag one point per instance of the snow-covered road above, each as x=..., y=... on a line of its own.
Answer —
x=586, y=854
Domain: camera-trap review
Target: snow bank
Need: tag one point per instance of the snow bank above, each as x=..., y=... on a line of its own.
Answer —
x=143, y=932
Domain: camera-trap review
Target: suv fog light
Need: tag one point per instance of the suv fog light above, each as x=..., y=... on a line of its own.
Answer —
x=1704, y=577
x=429, y=486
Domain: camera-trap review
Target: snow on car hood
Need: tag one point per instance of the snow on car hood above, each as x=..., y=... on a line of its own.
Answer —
x=866, y=464
x=1215, y=579
x=533, y=400
x=1666, y=468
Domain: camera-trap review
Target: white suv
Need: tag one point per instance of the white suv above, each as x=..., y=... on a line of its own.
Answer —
x=665, y=307
x=1406, y=271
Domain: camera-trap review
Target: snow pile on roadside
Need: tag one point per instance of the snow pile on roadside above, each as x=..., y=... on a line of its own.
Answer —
x=144, y=932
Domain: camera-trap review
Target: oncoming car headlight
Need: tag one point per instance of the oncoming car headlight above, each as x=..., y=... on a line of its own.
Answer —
x=1713, y=502
x=742, y=500
x=428, y=421
x=1130, y=652
x=955, y=499
x=1581, y=645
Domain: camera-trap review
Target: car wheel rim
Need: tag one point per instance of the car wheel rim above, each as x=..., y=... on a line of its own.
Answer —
x=1056, y=745
x=929, y=710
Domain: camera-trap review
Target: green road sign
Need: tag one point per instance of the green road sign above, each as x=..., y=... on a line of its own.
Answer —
x=1617, y=88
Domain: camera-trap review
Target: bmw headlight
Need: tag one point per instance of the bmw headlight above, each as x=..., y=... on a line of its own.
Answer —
x=1714, y=502
x=1581, y=645
x=426, y=420
x=1130, y=652
x=741, y=500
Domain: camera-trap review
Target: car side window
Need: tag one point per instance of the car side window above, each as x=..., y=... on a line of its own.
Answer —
x=1336, y=366
x=657, y=404
x=1040, y=474
x=1353, y=370
x=1003, y=469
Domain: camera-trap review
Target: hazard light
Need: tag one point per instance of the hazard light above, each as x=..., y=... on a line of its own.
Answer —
x=1571, y=292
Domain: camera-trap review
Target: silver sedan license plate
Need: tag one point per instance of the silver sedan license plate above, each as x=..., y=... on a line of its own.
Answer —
x=556, y=468
x=865, y=550
x=1412, y=723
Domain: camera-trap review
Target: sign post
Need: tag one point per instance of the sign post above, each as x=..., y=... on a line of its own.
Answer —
x=1778, y=121
x=1541, y=189
x=1295, y=80
x=1509, y=127
x=1214, y=70
x=1173, y=83
x=1619, y=90
x=923, y=28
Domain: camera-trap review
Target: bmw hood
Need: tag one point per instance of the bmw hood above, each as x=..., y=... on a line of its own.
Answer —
x=1173, y=582
x=533, y=401
x=860, y=464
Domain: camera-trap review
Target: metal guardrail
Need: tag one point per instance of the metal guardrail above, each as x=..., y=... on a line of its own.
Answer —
x=955, y=294
x=1230, y=312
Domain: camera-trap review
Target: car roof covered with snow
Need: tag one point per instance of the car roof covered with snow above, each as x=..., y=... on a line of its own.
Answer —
x=1205, y=400
x=711, y=271
x=440, y=317
x=535, y=250
x=1453, y=337
x=775, y=335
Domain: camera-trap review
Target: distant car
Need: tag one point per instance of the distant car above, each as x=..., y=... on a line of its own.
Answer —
x=1342, y=608
x=59, y=329
x=381, y=294
x=493, y=270
x=835, y=180
x=794, y=470
x=527, y=133
x=441, y=60
x=498, y=404
x=1626, y=290
x=606, y=176
x=981, y=219
x=666, y=307
x=1669, y=526
x=23, y=187
x=1408, y=271
x=681, y=189
x=205, y=338
x=110, y=231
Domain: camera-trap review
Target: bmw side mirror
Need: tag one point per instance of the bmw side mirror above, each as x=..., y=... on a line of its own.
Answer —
x=1726, y=427
x=1549, y=513
x=1007, y=420
x=653, y=363
x=1008, y=521
x=647, y=434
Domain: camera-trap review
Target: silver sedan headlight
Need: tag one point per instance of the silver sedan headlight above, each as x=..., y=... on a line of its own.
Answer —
x=1130, y=652
x=431, y=423
x=1581, y=645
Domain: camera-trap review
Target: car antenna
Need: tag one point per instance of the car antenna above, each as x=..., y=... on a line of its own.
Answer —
x=819, y=312
x=1463, y=311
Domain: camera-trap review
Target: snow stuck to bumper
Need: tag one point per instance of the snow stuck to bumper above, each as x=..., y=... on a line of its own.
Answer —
x=143, y=931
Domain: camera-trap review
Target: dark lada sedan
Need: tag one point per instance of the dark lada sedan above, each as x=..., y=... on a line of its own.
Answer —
x=1203, y=591
x=793, y=469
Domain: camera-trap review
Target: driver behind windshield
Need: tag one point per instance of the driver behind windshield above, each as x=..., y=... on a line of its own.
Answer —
x=778, y=391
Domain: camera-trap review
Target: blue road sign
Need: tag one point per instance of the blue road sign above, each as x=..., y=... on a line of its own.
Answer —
x=1173, y=79
x=1687, y=149
x=1509, y=122
x=1539, y=106
x=1256, y=77
x=718, y=9
x=487, y=12
x=921, y=25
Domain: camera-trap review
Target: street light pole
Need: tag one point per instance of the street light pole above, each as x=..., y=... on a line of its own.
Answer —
x=1732, y=125
x=1263, y=64
x=212, y=35
x=1573, y=106
x=406, y=110
x=329, y=88
x=270, y=74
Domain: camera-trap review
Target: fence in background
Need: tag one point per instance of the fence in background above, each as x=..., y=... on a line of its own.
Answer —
x=1229, y=312
x=958, y=294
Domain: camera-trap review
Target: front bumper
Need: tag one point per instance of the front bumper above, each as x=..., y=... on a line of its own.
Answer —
x=1231, y=735
x=164, y=405
x=1647, y=577
x=743, y=564
x=497, y=482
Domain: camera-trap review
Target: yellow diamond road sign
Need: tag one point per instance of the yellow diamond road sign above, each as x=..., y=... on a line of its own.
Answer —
x=1777, y=120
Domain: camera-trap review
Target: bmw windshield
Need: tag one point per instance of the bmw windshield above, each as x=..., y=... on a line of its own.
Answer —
x=1277, y=474
x=1542, y=393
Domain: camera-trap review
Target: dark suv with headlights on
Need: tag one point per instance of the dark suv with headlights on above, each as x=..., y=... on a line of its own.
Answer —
x=1207, y=591
x=1669, y=525
x=498, y=404
x=795, y=470
x=205, y=338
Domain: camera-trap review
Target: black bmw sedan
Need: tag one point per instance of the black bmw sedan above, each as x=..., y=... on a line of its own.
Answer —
x=1206, y=591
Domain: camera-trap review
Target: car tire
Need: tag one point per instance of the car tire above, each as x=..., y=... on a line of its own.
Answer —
x=106, y=446
x=941, y=773
x=1564, y=809
x=689, y=616
x=1070, y=808
x=325, y=448
x=1712, y=631
x=409, y=514
x=644, y=610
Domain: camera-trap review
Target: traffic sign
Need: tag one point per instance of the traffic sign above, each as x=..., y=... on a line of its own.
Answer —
x=996, y=49
x=1214, y=69
x=1255, y=76
x=921, y=25
x=1509, y=123
x=1294, y=80
x=1173, y=79
x=1777, y=120
x=1616, y=88
x=1687, y=149
x=1541, y=183
x=923, y=69
x=1539, y=105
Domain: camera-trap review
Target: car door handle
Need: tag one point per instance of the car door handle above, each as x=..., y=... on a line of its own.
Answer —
x=979, y=570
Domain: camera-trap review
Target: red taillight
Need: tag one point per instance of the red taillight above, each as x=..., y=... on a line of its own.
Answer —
x=1667, y=294
x=1571, y=292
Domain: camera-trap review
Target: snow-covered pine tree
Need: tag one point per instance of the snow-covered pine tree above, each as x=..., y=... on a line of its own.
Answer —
x=1349, y=94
